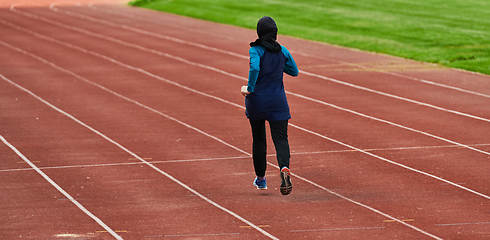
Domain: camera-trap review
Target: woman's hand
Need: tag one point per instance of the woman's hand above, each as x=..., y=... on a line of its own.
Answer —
x=244, y=91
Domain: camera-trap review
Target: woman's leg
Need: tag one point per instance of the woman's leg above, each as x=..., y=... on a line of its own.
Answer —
x=259, y=147
x=279, y=132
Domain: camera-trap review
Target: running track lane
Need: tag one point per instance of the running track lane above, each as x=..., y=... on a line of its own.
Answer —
x=313, y=164
x=370, y=228
x=372, y=118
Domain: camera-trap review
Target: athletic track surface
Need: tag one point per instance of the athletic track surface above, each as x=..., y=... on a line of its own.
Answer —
x=124, y=123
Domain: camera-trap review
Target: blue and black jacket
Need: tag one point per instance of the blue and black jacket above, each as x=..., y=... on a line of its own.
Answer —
x=267, y=99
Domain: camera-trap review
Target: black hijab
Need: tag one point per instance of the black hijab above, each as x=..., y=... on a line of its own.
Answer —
x=267, y=32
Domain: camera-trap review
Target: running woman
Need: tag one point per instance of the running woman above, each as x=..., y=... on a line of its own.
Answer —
x=265, y=100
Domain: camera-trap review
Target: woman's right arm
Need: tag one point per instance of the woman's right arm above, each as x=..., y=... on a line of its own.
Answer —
x=253, y=73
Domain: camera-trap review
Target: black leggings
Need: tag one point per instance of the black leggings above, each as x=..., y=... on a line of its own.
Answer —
x=279, y=133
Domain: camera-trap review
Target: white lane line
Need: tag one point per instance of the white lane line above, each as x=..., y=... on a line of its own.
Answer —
x=389, y=149
x=460, y=224
x=216, y=98
x=172, y=178
x=90, y=5
x=54, y=184
x=127, y=163
x=337, y=229
x=143, y=160
x=203, y=66
x=233, y=158
x=192, y=235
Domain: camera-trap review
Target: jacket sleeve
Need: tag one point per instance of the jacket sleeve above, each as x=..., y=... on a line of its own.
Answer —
x=253, y=74
x=290, y=67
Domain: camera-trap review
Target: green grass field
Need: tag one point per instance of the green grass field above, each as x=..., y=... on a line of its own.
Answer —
x=453, y=33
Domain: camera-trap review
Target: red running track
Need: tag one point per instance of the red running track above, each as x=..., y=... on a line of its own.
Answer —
x=124, y=123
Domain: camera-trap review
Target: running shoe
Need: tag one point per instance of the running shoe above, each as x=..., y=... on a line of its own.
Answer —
x=260, y=184
x=286, y=186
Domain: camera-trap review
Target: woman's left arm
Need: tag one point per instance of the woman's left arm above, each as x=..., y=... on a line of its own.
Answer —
x=290, y=67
